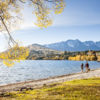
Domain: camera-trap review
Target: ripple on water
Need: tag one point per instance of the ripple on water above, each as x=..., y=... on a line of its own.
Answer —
x=39, y=69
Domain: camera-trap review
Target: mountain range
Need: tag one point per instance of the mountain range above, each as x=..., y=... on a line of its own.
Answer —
x=49, y=51
x=74, y=45
x=39, y=51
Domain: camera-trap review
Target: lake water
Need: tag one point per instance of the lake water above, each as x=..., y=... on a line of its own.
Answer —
x=39, y=69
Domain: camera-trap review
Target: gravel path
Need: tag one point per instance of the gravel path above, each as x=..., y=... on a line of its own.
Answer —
x=39, y=83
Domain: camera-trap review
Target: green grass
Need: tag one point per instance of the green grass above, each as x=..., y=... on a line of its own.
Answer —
x=85, y=89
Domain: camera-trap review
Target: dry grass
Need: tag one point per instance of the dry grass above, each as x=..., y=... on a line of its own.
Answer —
x=85, y=89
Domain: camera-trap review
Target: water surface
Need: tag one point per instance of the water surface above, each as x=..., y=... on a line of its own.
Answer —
x=39, y=69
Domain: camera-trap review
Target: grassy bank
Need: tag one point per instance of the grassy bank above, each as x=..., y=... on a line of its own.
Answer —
x=85, y=89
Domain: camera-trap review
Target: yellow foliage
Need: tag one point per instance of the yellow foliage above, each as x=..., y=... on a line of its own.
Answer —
x=8, y=62
x=71, y=58
x=92, y=57
x=78, y=57
x=14, y=54
x=87, y=57
x=43, y=10
x=98, y=58
x=60, y=5
x=83, y=57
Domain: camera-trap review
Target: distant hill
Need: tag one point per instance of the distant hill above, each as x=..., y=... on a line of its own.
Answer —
x=74, y=45
x=38, y=51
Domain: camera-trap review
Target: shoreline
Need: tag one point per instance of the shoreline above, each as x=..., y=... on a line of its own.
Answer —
x=47, y=81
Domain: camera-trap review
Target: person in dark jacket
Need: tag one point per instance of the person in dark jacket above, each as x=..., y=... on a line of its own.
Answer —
x=82, y=67
x=87, y=67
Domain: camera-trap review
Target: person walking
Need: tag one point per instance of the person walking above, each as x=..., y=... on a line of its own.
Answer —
x=87, y=67
x=82, y=66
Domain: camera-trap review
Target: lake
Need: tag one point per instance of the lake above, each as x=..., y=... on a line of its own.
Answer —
x=39, y=69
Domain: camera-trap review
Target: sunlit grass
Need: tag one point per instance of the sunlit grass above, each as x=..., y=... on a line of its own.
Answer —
x=85, y=89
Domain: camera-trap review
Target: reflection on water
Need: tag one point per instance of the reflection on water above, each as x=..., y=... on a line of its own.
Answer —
x=39, y=69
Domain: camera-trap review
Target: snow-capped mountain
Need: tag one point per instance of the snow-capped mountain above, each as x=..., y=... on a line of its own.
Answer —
x=74, y=45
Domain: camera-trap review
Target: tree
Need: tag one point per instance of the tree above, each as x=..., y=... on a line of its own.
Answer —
x=9, y=14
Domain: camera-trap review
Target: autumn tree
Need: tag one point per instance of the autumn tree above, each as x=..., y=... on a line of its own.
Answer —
x=9, y=14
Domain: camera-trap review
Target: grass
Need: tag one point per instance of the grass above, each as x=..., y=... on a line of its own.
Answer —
x=85, y=89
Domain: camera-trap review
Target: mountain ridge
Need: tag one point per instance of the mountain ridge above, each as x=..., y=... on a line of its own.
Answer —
x=38, y=51
x=74, y=45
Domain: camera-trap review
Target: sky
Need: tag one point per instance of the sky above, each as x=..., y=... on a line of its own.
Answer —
x=79, y=20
